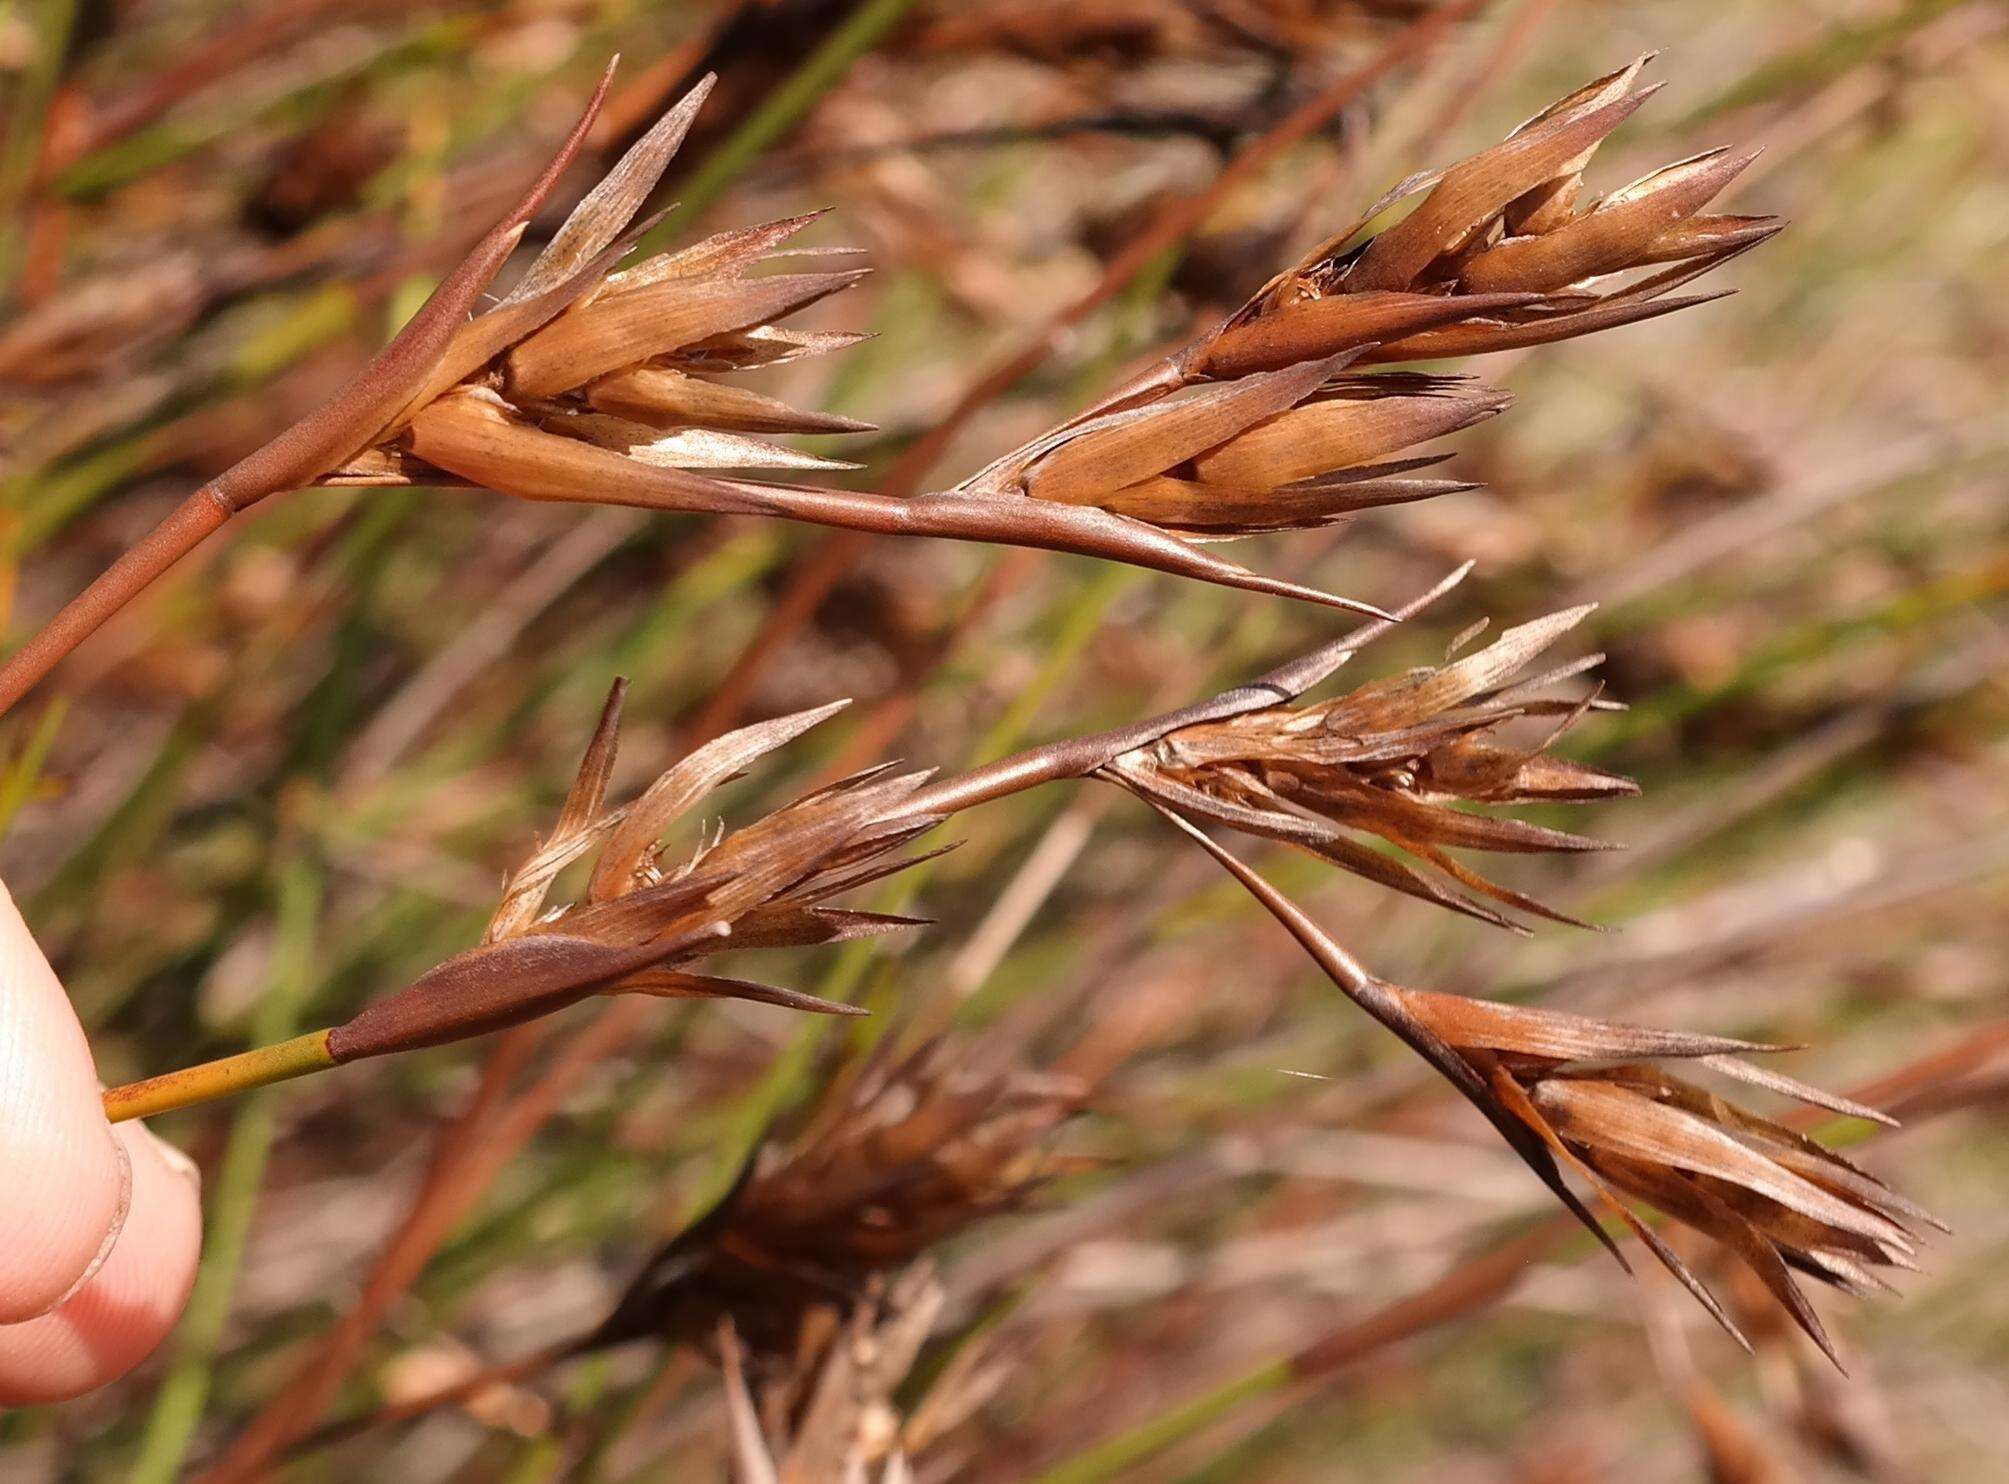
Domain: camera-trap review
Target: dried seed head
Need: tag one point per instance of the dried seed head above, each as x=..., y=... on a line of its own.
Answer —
x=1568, y=1090
x=1253, y=428
x=643, y=923
x=581, y=354
x=587, y=384
x=1300, y=446
x=1500, y=253
x=1391, y=759
x=904, y=1153
x=1594, y=1094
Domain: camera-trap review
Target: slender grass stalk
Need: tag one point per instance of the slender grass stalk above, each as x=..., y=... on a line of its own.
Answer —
x=178, y=1406
x=198, y=517
x=1155, y=1434
x=18, y=782
x=50, y=23
x=784, y=108
x=260, y=1067
x=785, y=1077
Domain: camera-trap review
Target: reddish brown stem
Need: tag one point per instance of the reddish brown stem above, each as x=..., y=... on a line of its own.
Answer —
x=185, y=528
x=351, y=419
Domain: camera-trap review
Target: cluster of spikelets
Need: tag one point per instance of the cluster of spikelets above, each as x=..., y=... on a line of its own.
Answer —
x=810, y=1280
x=908, y=1152
x=1507, y=235
x=640, y=924
x=1597, y=1097
x=1572, y=1092
x=1389, y=760
x=591, y=384
x=587, y=384
x=905, y=1151
x=812, y=1276
x=1262, y=424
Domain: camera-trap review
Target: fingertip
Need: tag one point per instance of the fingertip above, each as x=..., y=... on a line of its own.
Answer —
x=60, y=1168
x=123, y=1312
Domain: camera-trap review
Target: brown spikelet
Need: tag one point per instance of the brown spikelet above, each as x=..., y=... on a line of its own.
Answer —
x=576, y=346
x=1392, y=760
x=643, y=923
x=1569, y=1092
x=1507, y=236
x=905, y=1152
x=1254, y=428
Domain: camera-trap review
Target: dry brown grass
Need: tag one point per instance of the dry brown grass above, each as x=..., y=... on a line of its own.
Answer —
x=650, y=386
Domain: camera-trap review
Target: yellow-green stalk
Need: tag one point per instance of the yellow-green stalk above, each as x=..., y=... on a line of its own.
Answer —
x=220, y=1078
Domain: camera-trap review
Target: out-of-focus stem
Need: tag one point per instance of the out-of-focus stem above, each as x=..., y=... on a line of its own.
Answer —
x=185, y=528
x=1120, y=1453
x=220, y=1078
x=178, y=1406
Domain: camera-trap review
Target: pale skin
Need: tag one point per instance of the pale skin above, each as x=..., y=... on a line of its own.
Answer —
x=100, y=1227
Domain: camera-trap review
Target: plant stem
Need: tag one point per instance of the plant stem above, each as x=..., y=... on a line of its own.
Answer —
x=49, y=28
x=17, y=784
x=1069, y=758
x=178, y=1408
x=221, y=1078
x=1156, y=1434
x=185, y=527
x=783, y=109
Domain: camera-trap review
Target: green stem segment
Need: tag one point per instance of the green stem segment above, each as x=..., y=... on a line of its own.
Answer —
x=1153, y=1436
x=220, y=1078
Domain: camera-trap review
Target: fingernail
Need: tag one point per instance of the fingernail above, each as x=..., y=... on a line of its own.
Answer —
x=112, y=1232
x=172, y=1156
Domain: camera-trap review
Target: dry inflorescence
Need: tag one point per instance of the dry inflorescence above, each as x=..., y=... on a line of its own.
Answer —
x=1266, y=423
x=911, y=1151
x=640, y=924
x=594, y=383
x=590, y=382
x=1571, y=1092
x=1596, y=1096
x=1390, y=759
x=1506, y=224
x=904, y=1153
x=811, y=1276
x=813, y=1273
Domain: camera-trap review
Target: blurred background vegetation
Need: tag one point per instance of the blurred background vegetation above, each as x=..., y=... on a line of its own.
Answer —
x=290, y=778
